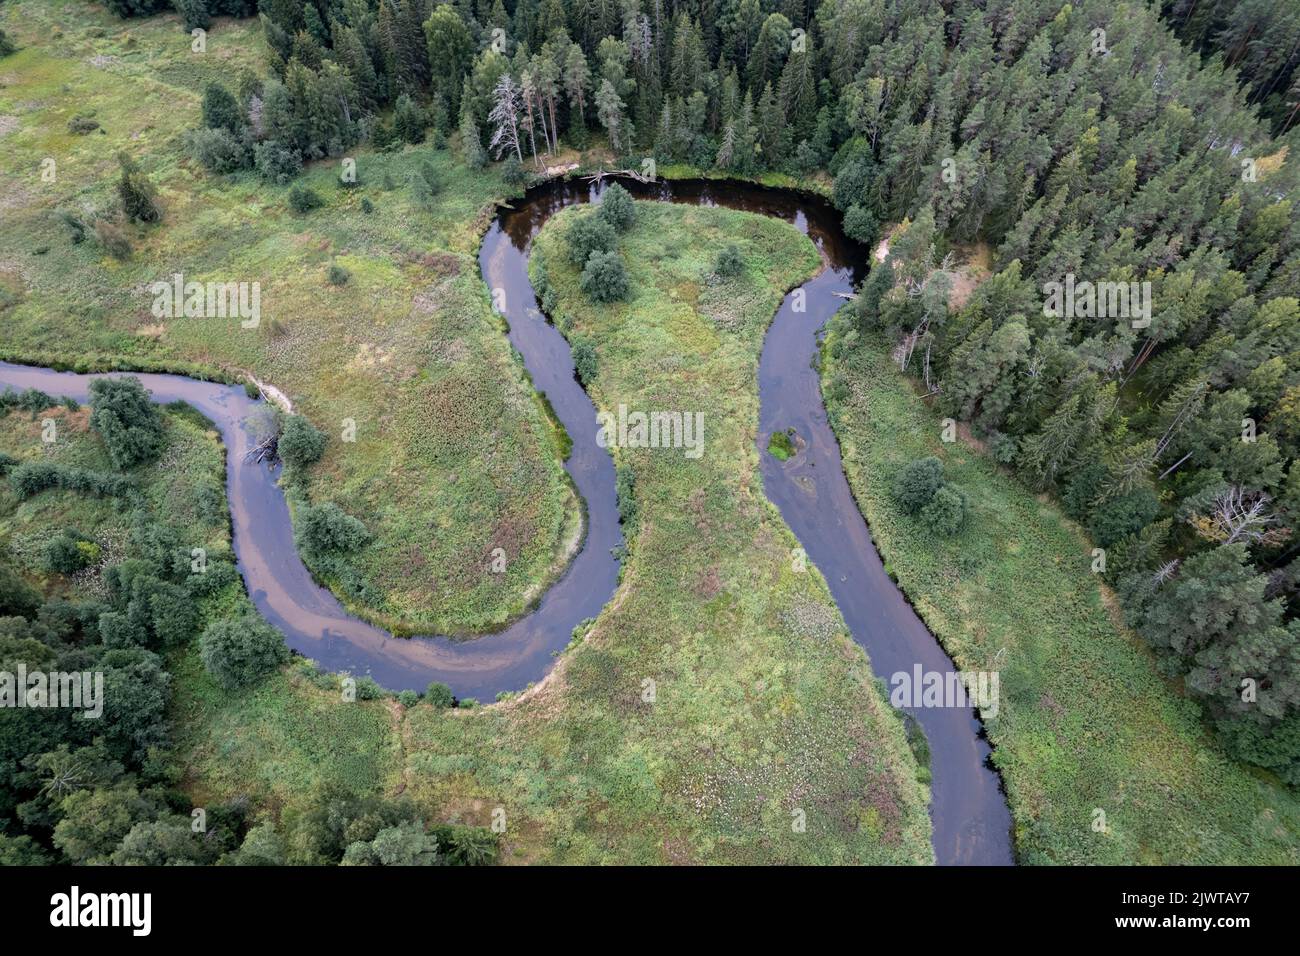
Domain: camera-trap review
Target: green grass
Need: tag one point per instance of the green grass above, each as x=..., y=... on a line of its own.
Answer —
x=279, y=742
x=781, y=446
x=1085, y=723
x=448, y=427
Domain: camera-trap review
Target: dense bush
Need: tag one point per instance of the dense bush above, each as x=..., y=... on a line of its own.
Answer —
x=117, y=629
x=33, y=477
x=135, y=8
x=589, y=234
x=301, y=443
x=326, y=528
x=513, y=173
x=126, y=419
x=604, y=279
x=17, y=597
x=209, y=582
x=240, y=652
x=81, y=124
x=584, y=359
x=137, y=194
x=217, y=150
x=173, y=616
x=729, y=262
x=304, y=198
x=29, y=400
x=69, y=551
x=945, y=513
x=275, y=163
x=439, y=695
x=917, y=483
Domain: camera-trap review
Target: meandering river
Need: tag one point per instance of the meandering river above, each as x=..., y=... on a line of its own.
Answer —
x=968, y=810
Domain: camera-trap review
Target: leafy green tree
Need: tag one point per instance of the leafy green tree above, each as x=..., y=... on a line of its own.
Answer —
x=126, y=420
x=262, y=846
x=21, y=850
x=604, y=278
x=917, y=483
x=136, y=691
x=116, y=629
x=174, y=618
x=589, y=234
x=300, y=443
x=240, y=652
x=17, y=597
x=439, y=695
x=406, y=844
x=167, y=841
x=94, y=822
x=451, y=52
x=945, y=512
x=326, y=528
x=861, y=225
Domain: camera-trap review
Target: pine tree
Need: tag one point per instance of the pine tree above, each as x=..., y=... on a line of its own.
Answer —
x=577, y=81
x=471, y=145
x=610, y=113
x=450, y=51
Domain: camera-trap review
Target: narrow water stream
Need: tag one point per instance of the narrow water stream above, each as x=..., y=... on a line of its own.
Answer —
x=971, y=821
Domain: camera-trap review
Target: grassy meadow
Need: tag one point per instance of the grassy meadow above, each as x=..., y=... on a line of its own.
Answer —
x=1086, y=726
x=447, y=427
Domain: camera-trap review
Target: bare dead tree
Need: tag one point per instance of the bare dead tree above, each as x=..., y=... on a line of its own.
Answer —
x=1240, y=515
x=932, y=290
x=1164, y=572
x=264, y=450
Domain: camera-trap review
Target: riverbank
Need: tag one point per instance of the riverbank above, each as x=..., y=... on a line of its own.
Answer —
x=1103, y=762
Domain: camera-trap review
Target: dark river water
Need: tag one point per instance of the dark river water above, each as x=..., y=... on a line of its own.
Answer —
x=968, y=810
